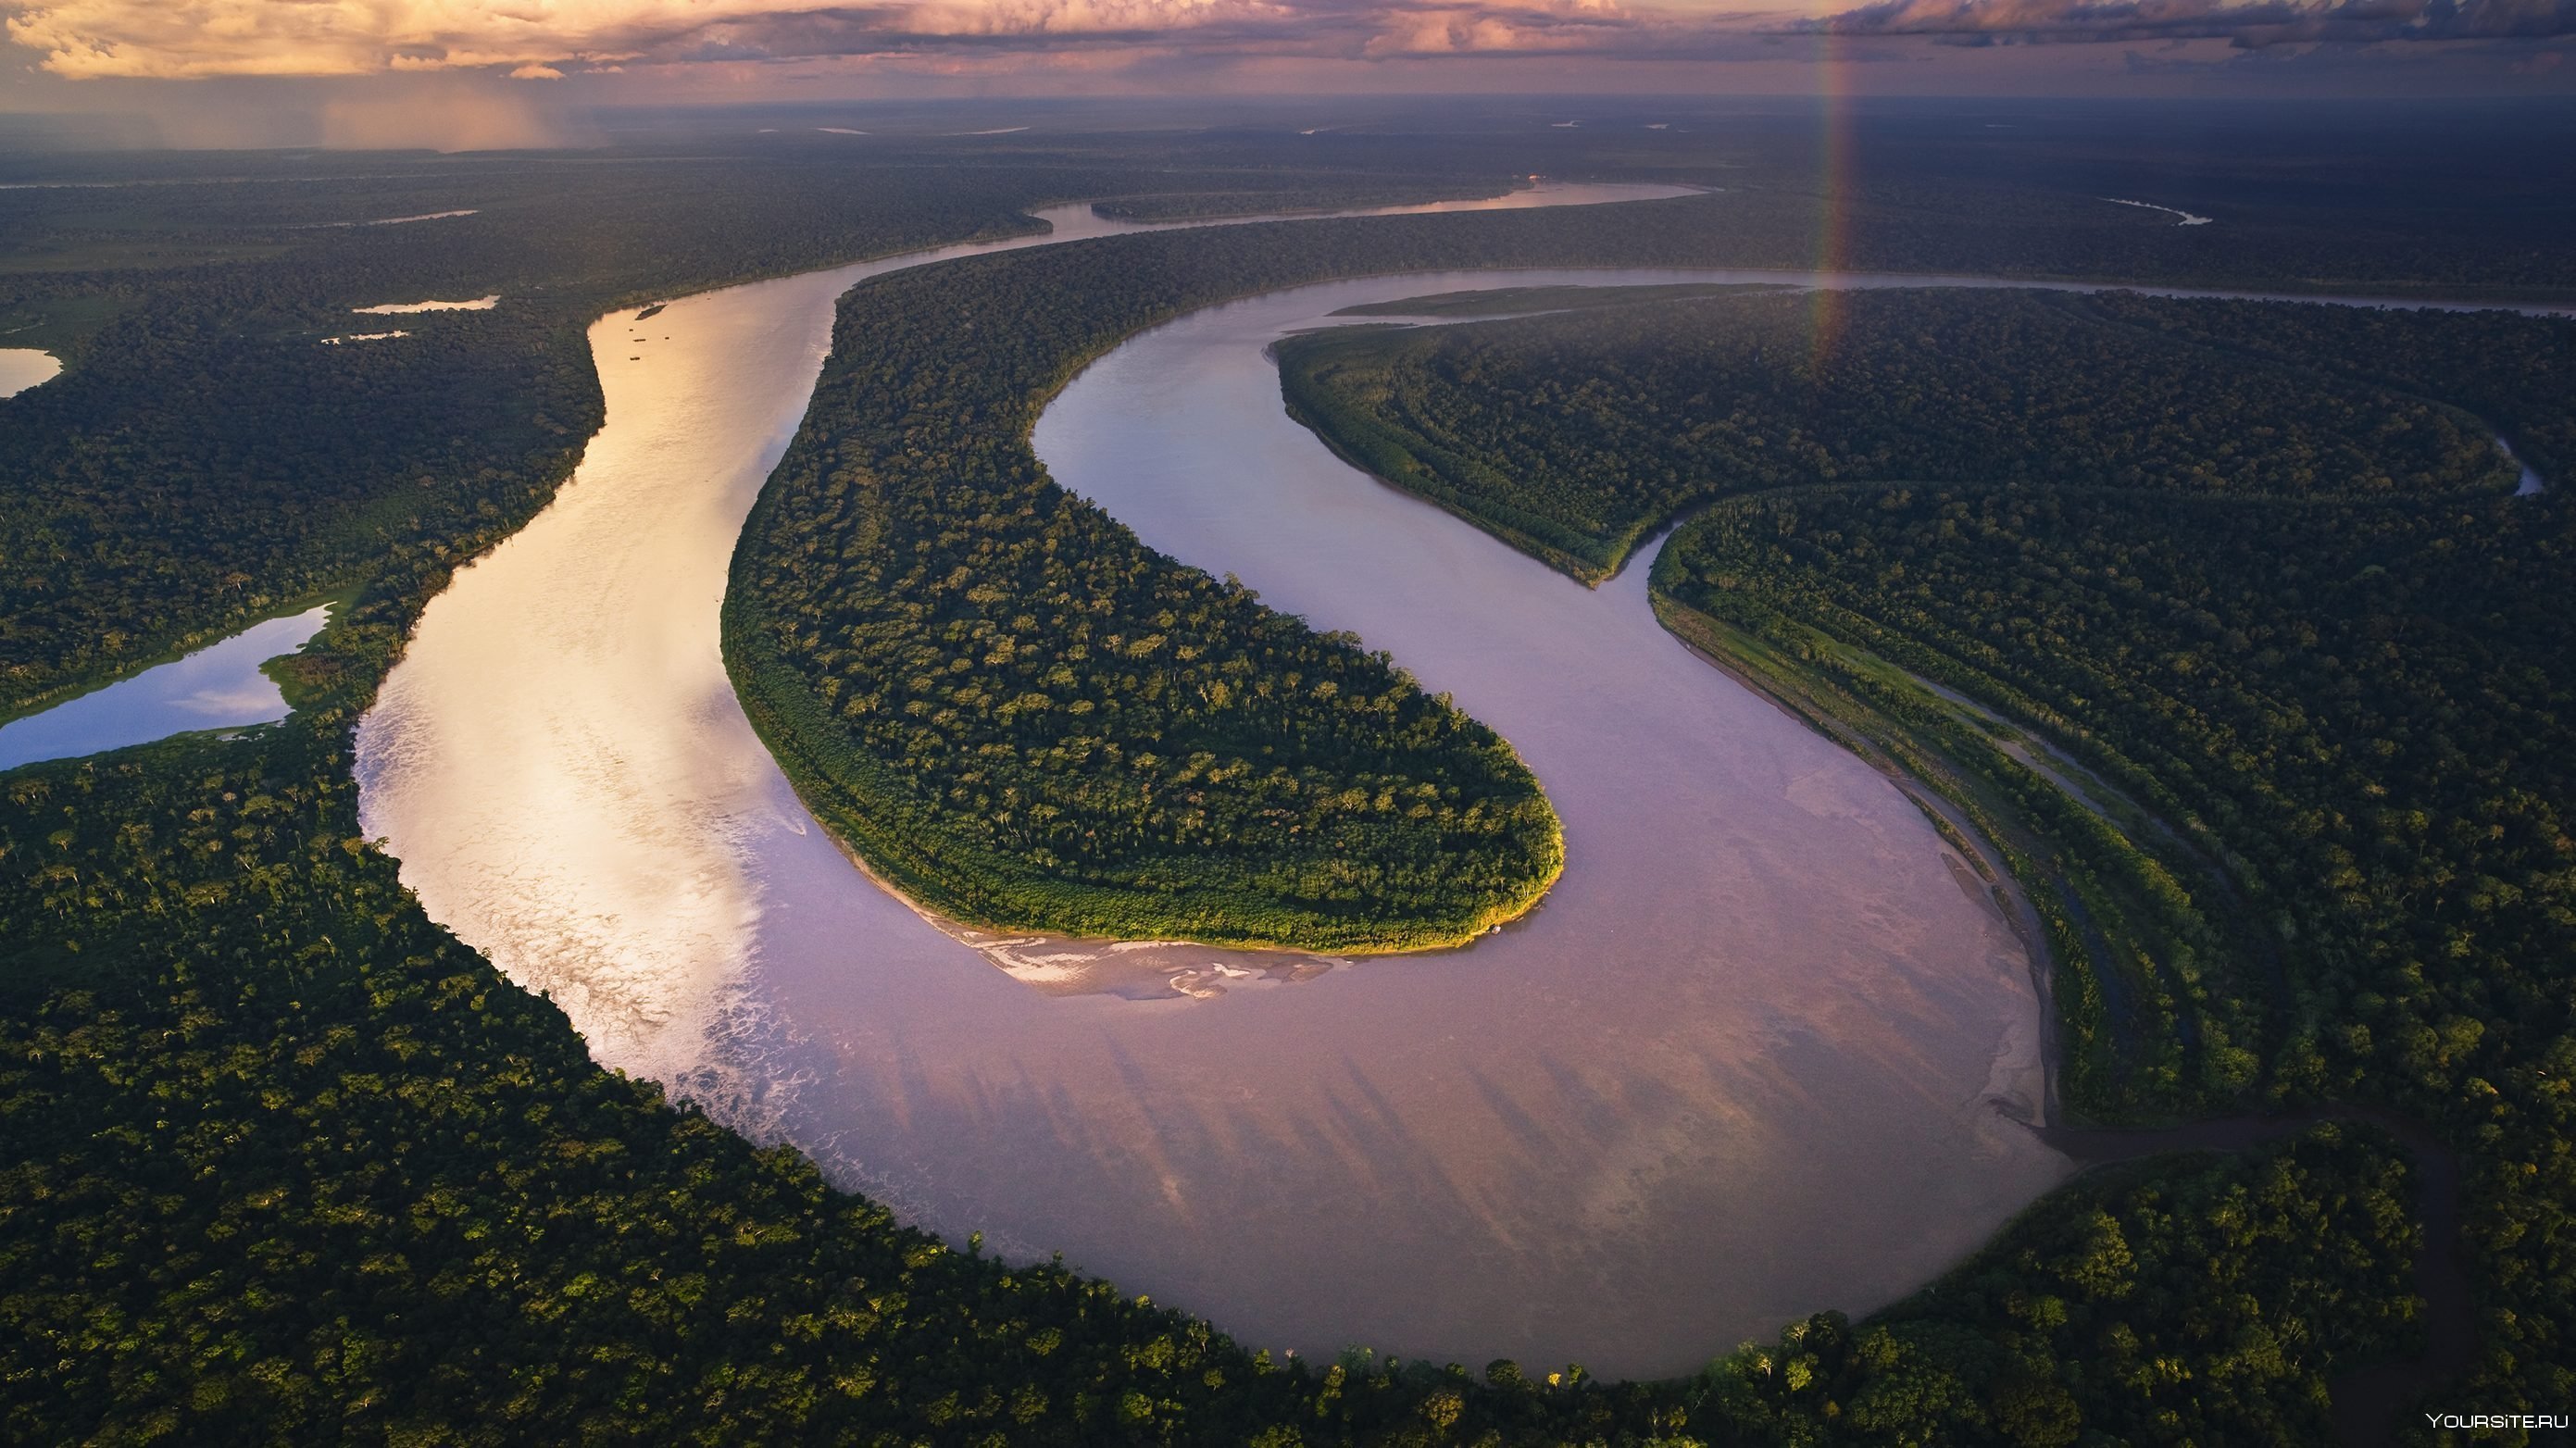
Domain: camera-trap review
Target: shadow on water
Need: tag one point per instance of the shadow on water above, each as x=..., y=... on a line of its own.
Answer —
x=2367, y=1398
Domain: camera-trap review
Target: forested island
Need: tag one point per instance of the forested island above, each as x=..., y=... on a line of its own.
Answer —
x=290, y=1164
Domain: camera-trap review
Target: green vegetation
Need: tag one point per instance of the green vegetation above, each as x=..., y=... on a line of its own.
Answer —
x=204, y=458
x=2216, y=618
x=1522, y=301
x=2156, y=1014
x=2511, y=370
x=290, y=1165
x=2358, y=706
x=2186, y=1299
x=1575, y=437
x=1019, y=715
x=185, y=290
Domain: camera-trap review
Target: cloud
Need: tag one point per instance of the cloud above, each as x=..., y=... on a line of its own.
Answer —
x=174, y=39
x=179, y=39
x=556, y=39
x=2247, y=24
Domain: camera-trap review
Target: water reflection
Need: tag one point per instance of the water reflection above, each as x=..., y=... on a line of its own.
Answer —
x=217, y=687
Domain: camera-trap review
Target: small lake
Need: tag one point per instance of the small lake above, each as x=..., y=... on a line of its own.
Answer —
x=24, y=367
x=217, y=687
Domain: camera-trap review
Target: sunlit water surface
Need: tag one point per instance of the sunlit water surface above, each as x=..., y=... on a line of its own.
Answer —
x=24, y=367
x=1758, y=1054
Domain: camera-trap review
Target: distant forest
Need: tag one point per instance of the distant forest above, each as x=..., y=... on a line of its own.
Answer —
x=289, y=1164
x=1574, y=437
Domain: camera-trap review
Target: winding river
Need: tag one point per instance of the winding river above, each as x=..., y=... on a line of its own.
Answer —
x=1760, y=1052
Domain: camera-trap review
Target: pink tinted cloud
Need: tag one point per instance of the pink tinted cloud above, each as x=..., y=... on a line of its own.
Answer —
x=553, y=39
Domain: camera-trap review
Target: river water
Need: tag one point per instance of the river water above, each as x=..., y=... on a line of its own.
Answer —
x=1758, y=1054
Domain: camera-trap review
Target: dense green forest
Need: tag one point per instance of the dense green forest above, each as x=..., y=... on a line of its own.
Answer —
x=2282, y=669
x=146, y=516
x=2360, y=704
x=2509, y=369
x=288, y=1164
x=1574, y=437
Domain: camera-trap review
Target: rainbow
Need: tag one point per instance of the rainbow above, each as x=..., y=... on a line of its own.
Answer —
x=1834, y=176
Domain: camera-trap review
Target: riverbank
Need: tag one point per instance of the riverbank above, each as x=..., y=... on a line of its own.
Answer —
x=2367, y=1402
x=1814, y=640
x=2082, y=899
x=1770, y=948
x=232, y=913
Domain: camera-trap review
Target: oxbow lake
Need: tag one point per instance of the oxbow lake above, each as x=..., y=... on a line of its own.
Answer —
x=218, y=687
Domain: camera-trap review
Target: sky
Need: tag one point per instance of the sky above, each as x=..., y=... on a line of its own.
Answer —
x=355, y=67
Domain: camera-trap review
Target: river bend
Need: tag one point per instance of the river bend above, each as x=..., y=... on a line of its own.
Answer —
x=1759, y=1052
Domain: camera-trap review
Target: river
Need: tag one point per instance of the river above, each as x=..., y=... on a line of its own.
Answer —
x=1759, y=1053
